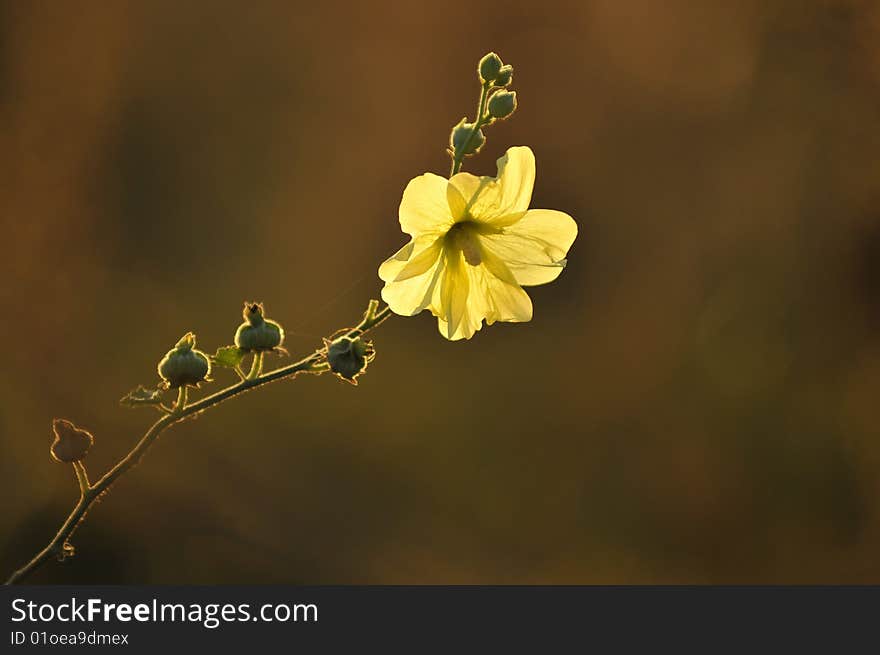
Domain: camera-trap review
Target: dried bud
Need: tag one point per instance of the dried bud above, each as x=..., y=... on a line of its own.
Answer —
x=460, y=135
x=502, y=104
x=257, y=333
x=184, y=365
x=348, y=357
x=489, y=67
x=505, y=75
x=71, y=443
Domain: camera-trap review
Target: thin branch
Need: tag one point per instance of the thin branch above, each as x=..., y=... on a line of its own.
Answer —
x=89, y=493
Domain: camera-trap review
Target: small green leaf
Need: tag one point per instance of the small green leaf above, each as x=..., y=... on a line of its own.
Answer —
x=142, y=396
x=228, y=356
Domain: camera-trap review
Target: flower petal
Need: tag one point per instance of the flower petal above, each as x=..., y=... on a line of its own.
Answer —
x=497, y=201
x=466, y=329
x=454, y=292
x=420, y=260
x=411, y=275
x=535, y=247
x=516, y=175
x=488, y=297
x=459, y=190
x=424, y=208
x=501, y=298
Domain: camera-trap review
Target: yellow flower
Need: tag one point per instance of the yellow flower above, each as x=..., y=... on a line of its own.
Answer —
x=475, y=244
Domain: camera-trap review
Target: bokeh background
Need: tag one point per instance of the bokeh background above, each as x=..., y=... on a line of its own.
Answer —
x=695, y=401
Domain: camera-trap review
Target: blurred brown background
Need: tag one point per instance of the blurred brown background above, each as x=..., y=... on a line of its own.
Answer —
x=695, y=400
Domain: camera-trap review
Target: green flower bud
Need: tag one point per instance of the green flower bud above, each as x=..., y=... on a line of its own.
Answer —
x=257, y=333
x=71, y=443
x=184, y=365
x=502, y=104
x=505, y=75
x=460, y=135
x=490, y=66
x=348, y=357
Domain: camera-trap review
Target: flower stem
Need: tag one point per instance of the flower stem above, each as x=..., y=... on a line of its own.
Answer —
x=82, y=477
x=256, y=366
x=480, y=120
x=89, y=493
x=182, y=395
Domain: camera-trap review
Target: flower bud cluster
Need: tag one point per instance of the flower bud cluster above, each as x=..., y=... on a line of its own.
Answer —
x=496, y=103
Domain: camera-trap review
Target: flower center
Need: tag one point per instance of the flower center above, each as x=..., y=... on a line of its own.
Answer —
x=463, y=237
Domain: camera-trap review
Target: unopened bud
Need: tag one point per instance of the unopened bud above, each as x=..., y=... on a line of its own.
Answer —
x=183, y=365
x=348, y=357
x=505, y=75
x=502, y=104
x=489, y=67
x=460, y=135
x=258, y=333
